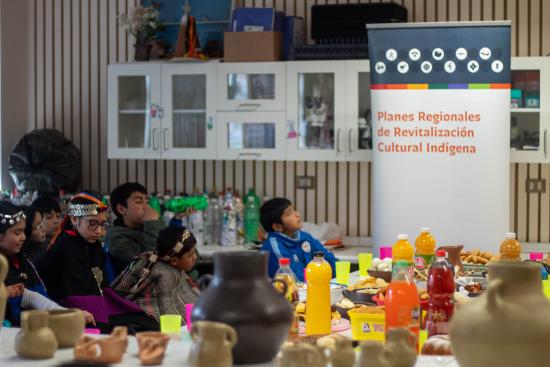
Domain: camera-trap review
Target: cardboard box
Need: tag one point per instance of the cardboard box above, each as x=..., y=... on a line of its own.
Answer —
x=252, y=46
x=257, y=20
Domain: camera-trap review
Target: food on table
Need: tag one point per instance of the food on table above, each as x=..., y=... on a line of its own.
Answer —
x=478, y=257
x=438, y=345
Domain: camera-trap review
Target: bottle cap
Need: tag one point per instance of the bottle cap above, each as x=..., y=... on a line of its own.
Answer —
x=510, y=236
x=425, y=230
x=319, y=254
x=284, y=261
x=441, y=253
x=402, y=236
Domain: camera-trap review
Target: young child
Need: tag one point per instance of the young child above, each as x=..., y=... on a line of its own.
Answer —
x=34, y=246
x=167, y=288
x=49, y=209
x=285, y=239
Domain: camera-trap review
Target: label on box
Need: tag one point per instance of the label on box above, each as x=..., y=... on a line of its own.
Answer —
x=253, y=28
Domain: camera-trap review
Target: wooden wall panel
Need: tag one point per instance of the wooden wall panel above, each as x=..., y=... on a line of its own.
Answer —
x=74, y=41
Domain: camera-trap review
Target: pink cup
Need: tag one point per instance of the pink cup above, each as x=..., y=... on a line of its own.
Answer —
x=188, y=311
x=92, y=331
x=536, y=256
x=385, y=252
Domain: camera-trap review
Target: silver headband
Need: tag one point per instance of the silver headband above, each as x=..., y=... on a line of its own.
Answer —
x=11, y=219
x=178, y=246
x=83, y=210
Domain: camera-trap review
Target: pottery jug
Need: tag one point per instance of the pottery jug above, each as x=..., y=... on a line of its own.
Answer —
x=343, y=354
x=212, y=343
x=401, y=347
x=67, y=325
x=35, y=340
x=301, y=355
x=241, y=295
x=152, y=347
x=508, y=325
x=3, y=290
x=373, y=354
x=102, y=350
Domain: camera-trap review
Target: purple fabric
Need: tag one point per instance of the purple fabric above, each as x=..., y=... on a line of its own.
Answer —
x=95, y=305
x=118, y=305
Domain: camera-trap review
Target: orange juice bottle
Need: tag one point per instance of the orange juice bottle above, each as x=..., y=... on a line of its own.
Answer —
x=425, y=249
x=402, y=301
x=402, y=251
x=510, y=249
x=318, y=316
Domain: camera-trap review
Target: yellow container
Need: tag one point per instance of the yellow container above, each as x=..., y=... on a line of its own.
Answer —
x=367, y=326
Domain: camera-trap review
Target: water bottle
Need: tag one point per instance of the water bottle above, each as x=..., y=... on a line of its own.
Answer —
x=219, y=218
x=206, y=217
x=229, y=229
x=239, y=211
x=251, y=220
x=196, y=222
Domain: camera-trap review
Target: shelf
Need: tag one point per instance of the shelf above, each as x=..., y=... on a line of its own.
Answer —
x=525, y=110
x=132, y=112
x=186, y=112
x=200, y=22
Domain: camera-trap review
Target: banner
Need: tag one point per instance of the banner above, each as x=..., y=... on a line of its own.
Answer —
x=441, y=126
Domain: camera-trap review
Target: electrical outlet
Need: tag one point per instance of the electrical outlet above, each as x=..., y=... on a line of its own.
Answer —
x=305, y=182
x=535, y=186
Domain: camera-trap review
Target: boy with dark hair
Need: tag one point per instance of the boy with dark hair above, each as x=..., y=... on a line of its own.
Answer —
x=285, y=239
x=136, y=227
x=51, y=212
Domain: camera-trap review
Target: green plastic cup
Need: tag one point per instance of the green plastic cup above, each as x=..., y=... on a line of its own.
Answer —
x=546, y=288
x=342, y=272
x=170, y=324
x=422, y=337
x=365, y=262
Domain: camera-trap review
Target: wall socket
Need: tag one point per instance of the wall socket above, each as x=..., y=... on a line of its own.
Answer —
x=305, y=182
x=535, y=186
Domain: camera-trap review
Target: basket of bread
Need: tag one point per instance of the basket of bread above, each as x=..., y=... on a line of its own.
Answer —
x=364, y=290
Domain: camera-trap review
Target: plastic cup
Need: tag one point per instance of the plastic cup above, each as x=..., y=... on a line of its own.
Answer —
x=188, y=311
x=92, y=331
x=342, y=272
x=536, y=256
x=422, y=337
x=170, y=324
x=385, y=252
x=546, y=288
x=365, y=262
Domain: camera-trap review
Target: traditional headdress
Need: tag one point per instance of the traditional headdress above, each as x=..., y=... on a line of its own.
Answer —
x=79, y=209
x=178, y=246
x=12, y=219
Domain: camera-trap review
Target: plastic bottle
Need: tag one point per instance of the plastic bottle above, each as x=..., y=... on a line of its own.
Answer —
x=196, y=222
x=285, y=274
x=425, y=249
x=154, y=203
x=239, y=212
x=251, y=220
x=318, y=317
x=402, y=250
x=229, y=229
x=441, y=288
x=510, y=249
x=207, y=235
x=252, y=193
x=402, y=301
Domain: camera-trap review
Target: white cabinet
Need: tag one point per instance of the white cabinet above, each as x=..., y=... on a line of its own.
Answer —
x=530, y=110
x=316, y=110
x=162, y=111
x=358, y=111
x=258, y=86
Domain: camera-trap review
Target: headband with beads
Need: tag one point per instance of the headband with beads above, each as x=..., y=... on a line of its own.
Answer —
x=11, y=219
x=178, y=246
x=86, y=210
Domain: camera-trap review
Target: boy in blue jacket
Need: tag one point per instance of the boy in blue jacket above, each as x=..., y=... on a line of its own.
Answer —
x=285, y=239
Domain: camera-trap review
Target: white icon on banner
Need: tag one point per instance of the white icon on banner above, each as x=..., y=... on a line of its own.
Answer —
x=380, y=67
x=415, y=54
x=461, y=53
x=402, y=67
x=485, y=53
x=391, y=54
x=450, y=67
x=497, y=66
x=426, y=67
x=473, y=66
x=438, y=54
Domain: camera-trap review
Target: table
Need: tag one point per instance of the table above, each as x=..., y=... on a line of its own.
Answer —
x=176, y=354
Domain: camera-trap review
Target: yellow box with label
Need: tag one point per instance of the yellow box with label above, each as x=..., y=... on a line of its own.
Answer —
x=367, y=326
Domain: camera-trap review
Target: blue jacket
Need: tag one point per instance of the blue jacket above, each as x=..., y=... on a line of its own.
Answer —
x=299, y=250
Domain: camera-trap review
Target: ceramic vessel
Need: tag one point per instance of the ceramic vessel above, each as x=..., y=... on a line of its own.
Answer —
x=102, y=350
x=3, y=291
x=343, y=354
x=373, y=354
x=401, y=347
x=35, y=340
x=508, y=324
x=241, y=295
x=212, y=343
x=67, y=325
x=302, y=355
x=152, y=347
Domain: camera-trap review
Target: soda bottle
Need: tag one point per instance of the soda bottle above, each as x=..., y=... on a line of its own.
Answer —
x=402, y=250
x=402, y=301
x=510, y=249
x=425, y=249
x=285, y=274
x=441, y=288
x=229, y=229
x=154, y=203
x=239, y=212
x=318, y=274
x=251, y=220
x=252, y=193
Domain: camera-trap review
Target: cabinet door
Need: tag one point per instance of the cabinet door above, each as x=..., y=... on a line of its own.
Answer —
x=358, y=112
x=258, y=86
x=529, y=109
x=133, y=112
x=251, y=135
x=188, y=102
x=316, y=110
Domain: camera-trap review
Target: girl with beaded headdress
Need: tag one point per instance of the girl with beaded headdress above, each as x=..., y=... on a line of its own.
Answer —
x=73, y=268
x=25, y=287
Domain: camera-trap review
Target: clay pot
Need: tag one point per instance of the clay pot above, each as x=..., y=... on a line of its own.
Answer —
x=373, y=354
x=102, y=350
x=241, y=295
x=3, y=291
x=343, y=354
x=401, y=347
x=508, y=325
x=152, y=346
x=302, y=355
x=35, y=340
x=212, y=343
x=142, y=51
x=67, y=325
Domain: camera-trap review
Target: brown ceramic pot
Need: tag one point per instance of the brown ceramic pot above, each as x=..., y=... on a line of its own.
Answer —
x=241, y=295
x=508, y=325
x=67, y=325
x=35, y=340
x=212, y=343
x=3, y=290
x=152, y=346
x=102, y=350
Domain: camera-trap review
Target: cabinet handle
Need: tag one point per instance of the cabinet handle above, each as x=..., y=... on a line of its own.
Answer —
x=338, y=136
x=154, y=110
x=544, y=143
x=248, y=106
x=243, y=155
x=155, y=145
x=350, y=140
x=161, y=113
x=164, y=139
